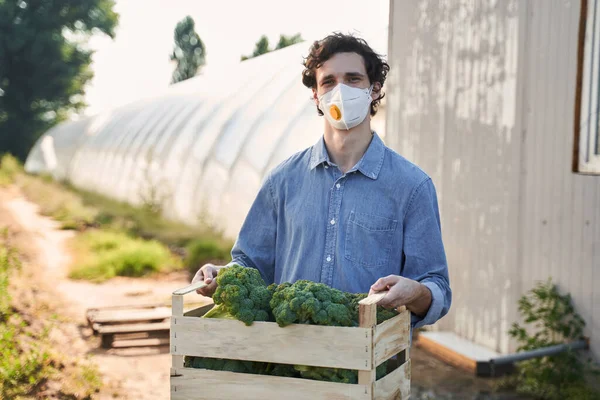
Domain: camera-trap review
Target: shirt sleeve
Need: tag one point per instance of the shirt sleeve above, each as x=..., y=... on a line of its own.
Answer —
x=255, y=244
x=424, y=255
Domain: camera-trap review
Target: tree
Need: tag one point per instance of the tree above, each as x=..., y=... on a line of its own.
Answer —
x=189, y=51
x=285, y=41
x=45, y=64
x=262, y=46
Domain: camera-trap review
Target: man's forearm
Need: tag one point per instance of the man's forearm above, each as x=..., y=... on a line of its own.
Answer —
x=420, y=305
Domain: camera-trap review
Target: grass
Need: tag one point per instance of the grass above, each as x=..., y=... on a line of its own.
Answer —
x=22, y=368
x=29, y=365
x=195, y=245
x=9, y=262
x=62, y=205
x=140, y=221
x=101, y=255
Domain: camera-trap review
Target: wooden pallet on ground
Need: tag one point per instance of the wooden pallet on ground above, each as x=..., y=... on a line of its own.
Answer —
x=130, y=326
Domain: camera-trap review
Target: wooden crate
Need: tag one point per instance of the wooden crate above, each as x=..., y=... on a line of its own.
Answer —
x=362, y=348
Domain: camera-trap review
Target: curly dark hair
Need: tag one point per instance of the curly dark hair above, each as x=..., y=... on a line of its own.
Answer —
x=323, y=50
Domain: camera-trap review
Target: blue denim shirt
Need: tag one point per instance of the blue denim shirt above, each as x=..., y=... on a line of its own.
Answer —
x=311, y=221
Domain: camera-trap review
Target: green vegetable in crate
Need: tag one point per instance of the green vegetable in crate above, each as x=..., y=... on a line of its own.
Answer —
x=219, y=312
x=243, y=293
x=306, y=302
x=327, y=374
x=218, y=364
x=336, y=374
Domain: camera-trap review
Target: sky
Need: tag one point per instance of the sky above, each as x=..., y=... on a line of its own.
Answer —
x=136, y=63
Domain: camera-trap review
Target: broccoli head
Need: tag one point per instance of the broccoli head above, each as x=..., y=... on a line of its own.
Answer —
x=306, y=302
x=243, y=293
x=219, y=364
x=336, y=374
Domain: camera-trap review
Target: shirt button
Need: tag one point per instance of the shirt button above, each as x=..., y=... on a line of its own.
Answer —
x=332, y=222
x=326, y=166
x=328, y=259
x=337, y=186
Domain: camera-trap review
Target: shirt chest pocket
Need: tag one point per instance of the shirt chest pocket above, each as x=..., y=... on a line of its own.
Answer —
x=369, y=239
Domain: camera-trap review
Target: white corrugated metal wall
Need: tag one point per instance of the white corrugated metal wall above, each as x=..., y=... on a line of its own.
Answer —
x=560, y=221
x=482, y=97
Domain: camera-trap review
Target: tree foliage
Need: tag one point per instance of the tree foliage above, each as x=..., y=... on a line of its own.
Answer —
x=262, y=45
x=189, y=51
x=45, y=64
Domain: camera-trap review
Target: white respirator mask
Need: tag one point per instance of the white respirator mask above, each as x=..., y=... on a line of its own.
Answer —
x=345, y=106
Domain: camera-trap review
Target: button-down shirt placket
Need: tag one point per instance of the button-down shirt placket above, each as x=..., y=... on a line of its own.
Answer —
x=335, y=204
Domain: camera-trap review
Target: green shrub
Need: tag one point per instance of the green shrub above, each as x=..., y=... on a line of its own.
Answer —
x=552, y=320
x=202, y=251
x=105, y=255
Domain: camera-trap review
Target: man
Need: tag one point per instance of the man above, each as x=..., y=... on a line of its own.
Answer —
x=348, y=212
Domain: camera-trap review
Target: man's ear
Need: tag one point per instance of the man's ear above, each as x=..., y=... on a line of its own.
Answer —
x=376, y=92
x=315, y=96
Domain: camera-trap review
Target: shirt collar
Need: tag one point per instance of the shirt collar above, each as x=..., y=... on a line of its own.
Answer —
x=318, y=154
x=369, y=165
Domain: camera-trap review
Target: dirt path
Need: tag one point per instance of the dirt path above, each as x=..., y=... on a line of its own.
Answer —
x=141, y=373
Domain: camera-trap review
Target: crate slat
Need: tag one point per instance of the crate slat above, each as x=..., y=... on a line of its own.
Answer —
x=177, y=309
x=391, y=337
x=190, y=384
x=130, y=328
x=324, y=346
x=131, y=315
x=395, y=385
x=367, y=317
x=140, y=342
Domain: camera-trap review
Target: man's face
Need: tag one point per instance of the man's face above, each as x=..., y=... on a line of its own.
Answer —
x=346, y=68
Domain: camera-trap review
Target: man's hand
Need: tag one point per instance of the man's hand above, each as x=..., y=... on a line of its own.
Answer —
x=207, y=273
x=403, y=292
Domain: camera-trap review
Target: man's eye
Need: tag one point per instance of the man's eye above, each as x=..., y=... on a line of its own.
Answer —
x=354, y=79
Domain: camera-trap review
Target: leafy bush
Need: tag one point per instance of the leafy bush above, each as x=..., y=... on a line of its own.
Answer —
x=551, y=319
x=202, y=251
x=104, y=255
